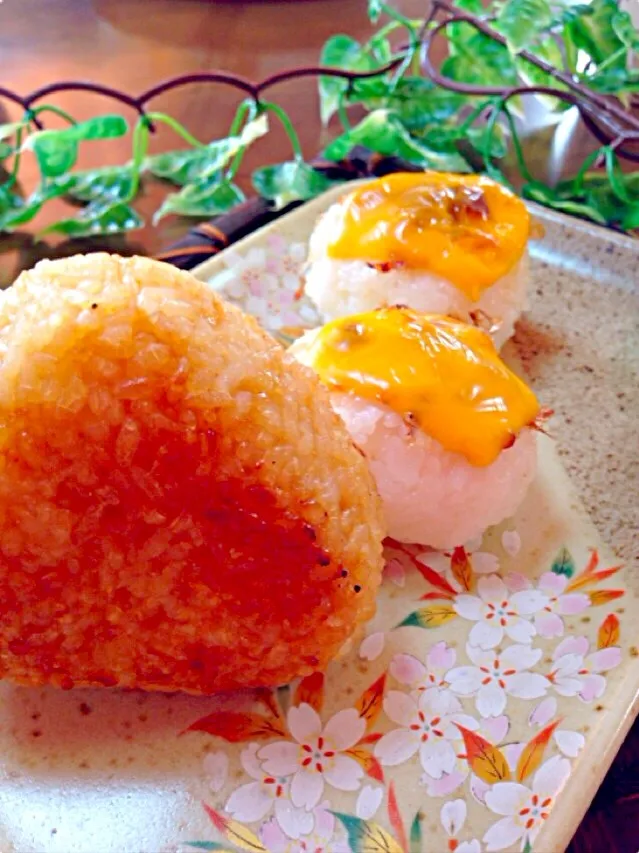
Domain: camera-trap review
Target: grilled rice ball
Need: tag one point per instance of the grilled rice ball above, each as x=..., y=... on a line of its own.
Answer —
x=180, y=509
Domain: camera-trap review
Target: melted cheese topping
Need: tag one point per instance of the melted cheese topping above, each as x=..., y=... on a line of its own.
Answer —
x=467, y=229
x=441, y=375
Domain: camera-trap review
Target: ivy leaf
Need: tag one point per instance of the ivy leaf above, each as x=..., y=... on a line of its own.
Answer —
x=112, y=183
x=24, y=210
x=416, y=101
x=498, y=147
x=549, y=50
x=594, y=32
x=198, y=165
x=481, y=60
x=99, y=217
x=544, y=195
x=625, y=30
x=287, y=182
x=375, y=9
x=340, y=51
x=201, y=199
x=459, y=34
x=57, y=150
x=8, y=131
x=381, y=131
x=521, y=21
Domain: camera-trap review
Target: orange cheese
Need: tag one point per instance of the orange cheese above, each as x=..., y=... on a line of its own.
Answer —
x=467, y=229
x=441, y=375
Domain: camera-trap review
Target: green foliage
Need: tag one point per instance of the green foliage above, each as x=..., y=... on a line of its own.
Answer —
x=291, y=181
x=399, y=113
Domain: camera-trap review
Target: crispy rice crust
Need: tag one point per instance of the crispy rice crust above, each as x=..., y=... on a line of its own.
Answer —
x=180, y=509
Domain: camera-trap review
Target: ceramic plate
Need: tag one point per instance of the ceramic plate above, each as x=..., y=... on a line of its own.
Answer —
x=481, y=707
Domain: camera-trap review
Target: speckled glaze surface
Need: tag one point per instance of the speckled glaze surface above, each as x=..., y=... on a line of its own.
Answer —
x=437, y=729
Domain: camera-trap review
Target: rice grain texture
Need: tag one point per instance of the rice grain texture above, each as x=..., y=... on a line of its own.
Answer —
x=180, y=509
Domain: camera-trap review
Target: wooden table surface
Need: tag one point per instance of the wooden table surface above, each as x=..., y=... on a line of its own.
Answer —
x=133, y=44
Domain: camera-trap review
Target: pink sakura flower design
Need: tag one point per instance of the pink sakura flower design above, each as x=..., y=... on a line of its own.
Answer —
x=253, y=801
x=426, y=726
x=496, y=675
x=326, y=836
x=453, y=818
x=576, y=673
x=569, y=743
x=524, y=808
x=428, y=678
x=548, y=621
x=494, y=729
x=498, y=611
x=316, y=754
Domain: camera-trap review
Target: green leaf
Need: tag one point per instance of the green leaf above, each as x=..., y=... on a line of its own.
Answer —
x=340, y=51
x=206, y=845
x=429, y=617
x=28, y=209
x=99, y=217
x=481, y=60
x=198, y=165
x=287, y=182
x=382, y=132
x=364, y=836
x=498, y=147
x=527, y=848
x=594, y=32
x=563, y=564
x=8, y=131
x=416, y=834
x=630, y=220
x=459, y=34
x=544, y=195
x=416, y=101
x=548, y=50
x=625, y=30
x=9, y=201
x=614, y=81
x=521, y=21
x=113, y=183
x=57, y=150
x=201, y=199
x=375, y=9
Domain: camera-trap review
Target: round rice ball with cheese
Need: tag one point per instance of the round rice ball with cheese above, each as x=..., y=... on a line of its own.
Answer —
x=446, y=427
x=439, y=243
x=180, y=509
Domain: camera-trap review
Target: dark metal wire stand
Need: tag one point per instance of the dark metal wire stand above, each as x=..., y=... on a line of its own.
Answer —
x=604, y=116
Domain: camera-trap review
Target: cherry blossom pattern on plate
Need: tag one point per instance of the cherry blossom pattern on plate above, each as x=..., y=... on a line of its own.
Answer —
x=499, y=612
x=267, y=282
x=453, y=817
x=304, y=756
x=427, y=726
x=495, y=675
x=524, y=808
x=268, y=792
x=576, y=671
x=569, y=743
x=326, y=836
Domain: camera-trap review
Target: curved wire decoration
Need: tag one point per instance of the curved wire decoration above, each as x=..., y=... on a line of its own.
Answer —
x=604, y=116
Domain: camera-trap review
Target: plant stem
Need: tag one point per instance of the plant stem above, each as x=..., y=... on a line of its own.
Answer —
x=140, y=145
x=13, y=177
x=46, y=108
x=519, y=153
x=176, y=126
x=288, y=127
x=245, y=107
x=342, y=113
